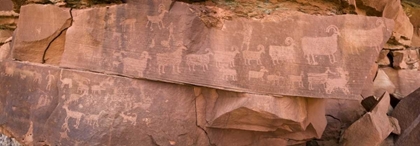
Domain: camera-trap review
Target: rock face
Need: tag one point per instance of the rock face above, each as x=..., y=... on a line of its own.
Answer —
x=105, y=75
x=408, y=115
x=154, y=46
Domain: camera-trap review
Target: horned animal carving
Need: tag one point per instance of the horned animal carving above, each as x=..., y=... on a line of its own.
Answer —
x=157, y=19
x=283, y=53
x=226, y=57
x=253, y=55
x=315, y=46
x=170, y=59
x=365, y=38
x=202, y=60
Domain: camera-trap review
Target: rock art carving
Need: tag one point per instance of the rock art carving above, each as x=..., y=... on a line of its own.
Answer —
x=132, y=119
x=10, y=70
x=73, y=97
x=274, y=79
x=65, y=81
x=318, y=78
x=82, y=88
x=72, y=114
x=257, y=74
x=226, y=57
x=228, y=73
x=171, y=31
x=247, y=33
x=202, y=60
x=338, y=83
x=43, y=100
x=253, y=55
x=130, y=23
x=50, y=78
x=293, y=79
x=37, y=77
x=365, y=38
x=170, y=59
x=137, y=65
x=97, y=89
x=92, y=119
x=283, y=53
x=313, y=46
x=63, y=134
x=157, y=19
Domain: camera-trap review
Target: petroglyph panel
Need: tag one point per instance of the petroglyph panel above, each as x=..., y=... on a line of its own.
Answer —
x=306, y=55
x=70, y=107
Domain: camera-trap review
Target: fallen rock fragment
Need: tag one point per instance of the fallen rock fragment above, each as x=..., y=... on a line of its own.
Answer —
x=406, y=81
x=383, y=59
x=372, y=128
x=382, y=83
x=408, y=114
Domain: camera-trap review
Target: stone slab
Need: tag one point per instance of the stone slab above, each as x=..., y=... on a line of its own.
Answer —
x=298, y=59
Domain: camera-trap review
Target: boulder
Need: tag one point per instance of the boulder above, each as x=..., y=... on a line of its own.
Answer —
x=383, y=59
x=405, y=81
x=382, y=83
x=399, y=59
x=37, y=34
x=408, y=115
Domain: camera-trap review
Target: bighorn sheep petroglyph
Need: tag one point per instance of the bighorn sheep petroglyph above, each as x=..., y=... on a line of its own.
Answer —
x=296, y=79
x=157, y=19
x=253, y=55
x=72, y=114
x=226, y=57
x=134, y=65
x=312, y=46
x=274, y=79
x=257, y=74
x=202, y=60
x=365, y=38
x=170, y=59
x=228, y=73
x=283, y=53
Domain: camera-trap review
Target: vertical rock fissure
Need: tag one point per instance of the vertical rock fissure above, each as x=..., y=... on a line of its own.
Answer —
x=59, y=34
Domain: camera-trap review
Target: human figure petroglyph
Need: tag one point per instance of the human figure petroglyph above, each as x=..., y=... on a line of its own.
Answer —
x=226, y=57
x=132, y=119
x=72, y=114
x=274, y=79
x=92, y=119
x=313, y=46
x=296, y=79
x=365, y=38
x=257, y=74
x=170, y=59
x=152, y=44
x=338, y=83
x=37, y=77
x=137, y=65
x=202, y=60
x=50, y=78
x=283, y=53
x=130, y=23
x=171, y=31
x=65, y=81
x=228, y=74
x=253, y=55
x=157, y=19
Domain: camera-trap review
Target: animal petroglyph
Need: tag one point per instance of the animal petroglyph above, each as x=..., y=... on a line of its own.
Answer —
x=65, y=81
x=228, y=74
x=157, y=19
x=132, y=119
x=92, y=119
x=283, y=53
x=257, y=74
x=132, y=65
x=37, y=77
x=313, y=46
x=50, y=78
x=296, y=79
x=253, y=55
x=130, y=23
x=338, y=83
x=226, y=57
x=365, y=38
x=170, y=59
x=202, y=60
x=274, y=79
x=82, y=88
x=72, y=114
x=318, y=78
